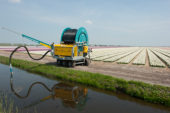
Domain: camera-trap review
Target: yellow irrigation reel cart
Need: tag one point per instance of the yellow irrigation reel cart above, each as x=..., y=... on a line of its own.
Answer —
x=73, y=48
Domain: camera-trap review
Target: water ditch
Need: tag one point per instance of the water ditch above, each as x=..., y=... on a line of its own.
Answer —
x=28, y=93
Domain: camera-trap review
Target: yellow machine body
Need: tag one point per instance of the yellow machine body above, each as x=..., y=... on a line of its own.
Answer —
x=63, y=50
x=85, y=49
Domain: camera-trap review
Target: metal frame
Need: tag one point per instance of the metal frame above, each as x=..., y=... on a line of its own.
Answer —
x=77, y=58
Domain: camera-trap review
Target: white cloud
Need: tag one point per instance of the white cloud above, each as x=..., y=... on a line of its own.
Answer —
x=88, y=22
x=14, y=1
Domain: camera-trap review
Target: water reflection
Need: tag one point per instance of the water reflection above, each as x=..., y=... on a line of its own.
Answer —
x=50, y=96
x=71, y=96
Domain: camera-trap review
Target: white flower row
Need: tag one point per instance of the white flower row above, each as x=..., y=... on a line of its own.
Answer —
x=108, y=56
x=166, y=54
x=166, y=51
x=162, y=51
x=115, y=58
x=141, y=58
x=128, y=58
x=163, y=57
x=101, y=52
x=109, y=52
x=126, y=55
x=154, y=60
x=112, y=54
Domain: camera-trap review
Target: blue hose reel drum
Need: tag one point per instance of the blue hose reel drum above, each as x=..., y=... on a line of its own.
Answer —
x=75, y=36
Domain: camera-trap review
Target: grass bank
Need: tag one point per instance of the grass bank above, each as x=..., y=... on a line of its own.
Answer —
x=151, y=93
x=7, y=104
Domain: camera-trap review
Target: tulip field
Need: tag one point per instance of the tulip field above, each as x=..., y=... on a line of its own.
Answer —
x=133, y=55
x=152, y=56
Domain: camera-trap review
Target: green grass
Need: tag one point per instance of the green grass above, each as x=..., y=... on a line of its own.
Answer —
x=151, y=93
x=137, y=64
x=1, y=105
x=7, y=104
x=122, y=63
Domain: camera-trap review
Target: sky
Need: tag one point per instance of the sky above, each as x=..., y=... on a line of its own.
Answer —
x=108, y=22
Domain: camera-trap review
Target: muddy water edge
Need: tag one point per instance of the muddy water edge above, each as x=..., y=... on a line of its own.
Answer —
x=28, y=93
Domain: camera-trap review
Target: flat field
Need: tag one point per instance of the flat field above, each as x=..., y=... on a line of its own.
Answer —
x=147, y=64
x=155, y=57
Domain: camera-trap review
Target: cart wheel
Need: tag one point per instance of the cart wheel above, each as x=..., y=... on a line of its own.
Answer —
x=87, y=62
x=58, y=62
x=73, y=64
x=70, y=63
x=64, y=63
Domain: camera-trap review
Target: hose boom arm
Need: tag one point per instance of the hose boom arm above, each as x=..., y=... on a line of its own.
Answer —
x=35, y=40
x=28, y=37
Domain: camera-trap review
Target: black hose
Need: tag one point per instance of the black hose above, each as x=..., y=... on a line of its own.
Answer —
x=29, y=90
x=35, y=83
x=11, y=78
x=10, y=58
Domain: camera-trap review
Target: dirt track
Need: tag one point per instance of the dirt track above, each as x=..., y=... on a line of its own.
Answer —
x=145, y=73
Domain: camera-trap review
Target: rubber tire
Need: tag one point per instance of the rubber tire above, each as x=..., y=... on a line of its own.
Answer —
x=58, y=62
x=70, y=64
x=73, y=64
x=87, y=62
x=64, y=63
